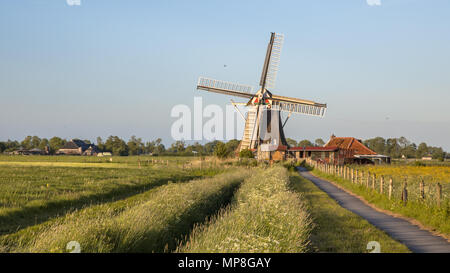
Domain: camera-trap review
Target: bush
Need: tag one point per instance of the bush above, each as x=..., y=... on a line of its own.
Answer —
x=221, y=150
x=246, y=153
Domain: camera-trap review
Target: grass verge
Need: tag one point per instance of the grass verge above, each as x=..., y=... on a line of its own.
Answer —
x=264, y=217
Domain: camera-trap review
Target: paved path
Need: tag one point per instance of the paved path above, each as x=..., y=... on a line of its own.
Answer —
x=416, y=239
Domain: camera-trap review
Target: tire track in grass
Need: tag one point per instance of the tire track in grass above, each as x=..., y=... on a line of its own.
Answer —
x=154, y=225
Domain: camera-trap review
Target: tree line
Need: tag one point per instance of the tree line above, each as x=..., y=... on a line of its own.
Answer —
x=118, y=146
x=402, y=147
x=393, y=147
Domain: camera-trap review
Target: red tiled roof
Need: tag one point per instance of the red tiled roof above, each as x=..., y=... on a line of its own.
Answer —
x=316, y=149
x=350, y=143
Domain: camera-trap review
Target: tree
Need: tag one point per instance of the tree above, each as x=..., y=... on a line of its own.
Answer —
x=100, y=144
x=437, y=153
x=178, y=146
x=159, y=147
x=392, y=148
x=195, y=148
x=377, y=144
x=44, y=143
x=403, y=142
x=232, y=145
x=2, y=147
x=319, y=142
x=305, y=143
x=116, y=146
x=35, y=141
x=221, y=151
x=56, y=143
x=410, y=150
x=135, y=146
x=26, y=143
x=11, y=145
x=291, y=142
x=209, y=147
x=422, y=150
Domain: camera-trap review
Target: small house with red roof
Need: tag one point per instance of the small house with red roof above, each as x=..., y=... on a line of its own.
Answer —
x=340, y=150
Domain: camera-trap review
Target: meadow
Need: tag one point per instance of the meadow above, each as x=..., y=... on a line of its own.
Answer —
x=182, y=204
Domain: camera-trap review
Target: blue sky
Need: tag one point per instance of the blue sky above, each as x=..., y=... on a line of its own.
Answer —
x=118, y=67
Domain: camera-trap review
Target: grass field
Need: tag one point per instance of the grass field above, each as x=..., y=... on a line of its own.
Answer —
x=154, y=221
x=31, y=194
x=184, y=204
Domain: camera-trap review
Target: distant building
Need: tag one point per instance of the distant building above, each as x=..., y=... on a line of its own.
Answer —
x=34, y=151
x=78, y=147
x=361, y=153
x=104, y=154
x=427, y=157
x=340, y=150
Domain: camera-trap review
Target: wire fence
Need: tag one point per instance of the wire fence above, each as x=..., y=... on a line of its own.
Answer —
x=405, y=188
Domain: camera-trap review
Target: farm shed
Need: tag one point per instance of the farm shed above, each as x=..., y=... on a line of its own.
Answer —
x=357, y=151
x=78, y=147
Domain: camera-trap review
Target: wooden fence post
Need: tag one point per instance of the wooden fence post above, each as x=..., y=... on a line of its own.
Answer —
x=405, y=193
x=356, y=177
x=439, y=194
x=381, y=184
x=422, y=190
x=373, y=181
x=390, y=188
x=368, y=180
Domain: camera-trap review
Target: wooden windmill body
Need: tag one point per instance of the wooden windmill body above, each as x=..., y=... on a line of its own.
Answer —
x=263, y=124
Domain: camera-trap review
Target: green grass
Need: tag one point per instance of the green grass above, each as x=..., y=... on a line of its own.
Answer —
x=154, y=221
x=126, y=160
x=337, y=229
x=32, y=194
x=429, y=215
x=264, y=217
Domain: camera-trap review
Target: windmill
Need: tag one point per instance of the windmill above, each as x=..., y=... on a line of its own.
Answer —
x=263, y=124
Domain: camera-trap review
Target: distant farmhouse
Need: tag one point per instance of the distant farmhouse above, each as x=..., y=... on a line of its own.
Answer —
x=34, y=151
x=341, y=150
x=78, y=147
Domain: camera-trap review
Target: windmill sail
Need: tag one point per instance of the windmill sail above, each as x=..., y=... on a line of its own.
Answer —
x=223, y=87
x=305, y=109
x=272, y=61
x=299, y=106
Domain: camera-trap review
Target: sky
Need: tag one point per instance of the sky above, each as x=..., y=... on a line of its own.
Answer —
x=118, y=67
